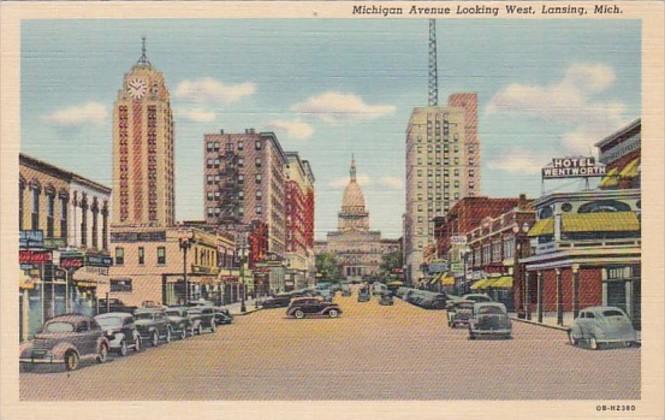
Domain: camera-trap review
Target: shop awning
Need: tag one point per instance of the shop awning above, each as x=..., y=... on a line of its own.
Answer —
x=631, y=170
x=436, y=278
x=503, y=282
x=542, y=227
x=611, y=179
x=448, y=280
x=480, y=284
x=621, y=221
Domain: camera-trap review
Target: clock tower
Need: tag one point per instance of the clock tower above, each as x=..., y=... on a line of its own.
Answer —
x=143, y=149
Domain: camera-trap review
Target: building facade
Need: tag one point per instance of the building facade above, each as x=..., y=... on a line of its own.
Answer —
x=442, y=166
x=143, y=149
x=620, y=152
x=358, y=249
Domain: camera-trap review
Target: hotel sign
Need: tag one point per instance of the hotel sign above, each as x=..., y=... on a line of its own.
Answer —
x=573, y=167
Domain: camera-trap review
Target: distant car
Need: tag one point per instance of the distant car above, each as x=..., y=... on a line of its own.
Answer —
x=598, y=325
x=378, y=288
x=386, y=299
x=309, y=306
x=490, y=319
x=181, y=324
x=346, y=290
x=279, y=301
x=153, y=325
x=114, y=305
x=477, y=297
x=459, y=313
x=363, y=295
x=203, y=317
x=65, y=339
x=121, y=332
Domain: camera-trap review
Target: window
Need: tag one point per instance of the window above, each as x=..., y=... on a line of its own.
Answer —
x=241, y=162
x=257, y=145
x=94, y=228
x=241, y=179
x=119, y=256
x=210, y=146
x=84, y=224
x=121, y=285
x=209, y=163
x=241, y=145
x=210, y=196
x=258, y=162
x=508, y=245
x=216, y=163
x=141, y=255
x=241, y=195
x=259, y=209
x=63, y=217
x=259, y=194
x=161, y=255
x=35, y=209
x=49, y=215
x=209, y=179
x=105, y=228
x=258, y=178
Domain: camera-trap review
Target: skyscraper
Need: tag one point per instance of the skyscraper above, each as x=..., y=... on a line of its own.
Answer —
x=143, y=149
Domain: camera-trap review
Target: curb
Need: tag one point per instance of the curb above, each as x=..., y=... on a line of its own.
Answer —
x=554, y=327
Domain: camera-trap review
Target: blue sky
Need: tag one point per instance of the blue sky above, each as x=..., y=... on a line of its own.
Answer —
x=330, y=88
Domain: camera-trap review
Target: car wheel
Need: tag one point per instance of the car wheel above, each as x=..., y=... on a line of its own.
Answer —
x=213, y=326
x=593, y=343
x=299, y=314
x=571, y=339
x=138, y=345
x=123, y=348
x=183, y=333
x=333, y=313
x=168, y=335
x=155, y=339
x=103, y=353
x=71, y=360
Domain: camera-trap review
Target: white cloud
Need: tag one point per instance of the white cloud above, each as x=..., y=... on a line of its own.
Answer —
x=209, y=90
x=339, y=183
x=197, y=115
x=392, y=182
x=571, y=102
x=520, y=161
x=296, y=129
x=77, y=115
x=334, y=106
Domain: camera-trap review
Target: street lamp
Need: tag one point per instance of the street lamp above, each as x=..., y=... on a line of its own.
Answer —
x=185, y=243
x=519, y=253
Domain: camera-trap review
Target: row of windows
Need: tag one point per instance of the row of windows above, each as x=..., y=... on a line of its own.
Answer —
x=214, y=146
x=120, y=255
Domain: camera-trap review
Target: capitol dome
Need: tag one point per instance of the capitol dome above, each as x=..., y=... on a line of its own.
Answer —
x=353, y=200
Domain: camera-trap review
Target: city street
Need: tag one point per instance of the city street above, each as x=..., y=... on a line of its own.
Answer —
x=371, y=352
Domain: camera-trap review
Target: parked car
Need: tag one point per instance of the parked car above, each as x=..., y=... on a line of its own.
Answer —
x=309, y=306
x=203, y=317
x=477, y=297
x=114, y=305
x=181, y=324
x=363, y=295
x=223, y=316
x=490, y=319
x=599, y=325
x=378, y=288
x=278, y=301
x=151, y=304
x=120, y=329
x=386, y=299
x=153, y=325
x=65, y=339
x=346, y=290
x=401, y=292
x=460, y=312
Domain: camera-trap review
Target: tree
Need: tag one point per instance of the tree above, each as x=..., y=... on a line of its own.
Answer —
x=328, y=265
x=390, y=261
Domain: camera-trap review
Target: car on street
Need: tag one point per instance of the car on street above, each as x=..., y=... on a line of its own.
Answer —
x=600, y=325
x=153, y=325
x=386, y=299
x=401, y=292
x=378, y=288
x=277, y=301
x=181, y=324
x=459, y=313
x=120, y=330
x=65, y=339
x=223, y=316
x=363, y=295
x=346, y=290
x=477, y=297
x=203, y=317
x=114, y=305
x=310, y=306
x=489, y=319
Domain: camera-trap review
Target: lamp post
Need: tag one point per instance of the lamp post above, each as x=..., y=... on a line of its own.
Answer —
x=185, y=243
x=520, y=236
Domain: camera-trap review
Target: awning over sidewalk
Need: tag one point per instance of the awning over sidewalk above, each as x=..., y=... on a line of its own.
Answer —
x=621, y=221
x=631, y=170
x=611, y=179
x=503, y=282
x=542, y=227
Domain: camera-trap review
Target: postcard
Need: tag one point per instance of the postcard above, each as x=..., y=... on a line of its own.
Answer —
x=332, y=209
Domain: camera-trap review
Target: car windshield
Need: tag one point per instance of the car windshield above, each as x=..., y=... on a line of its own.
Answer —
x=145, y=315
x=490, y=310
x=109, y=321
x=612, y=312
x=59, y=327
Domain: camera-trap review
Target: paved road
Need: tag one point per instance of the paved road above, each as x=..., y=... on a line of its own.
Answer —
x=372, y=352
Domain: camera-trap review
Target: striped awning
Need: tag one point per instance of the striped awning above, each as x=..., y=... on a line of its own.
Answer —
x=480, y=284
x=611, y=179
x=631, y=170
x=503, y=282
x=621, y=221
x=542, y=227
x=448, y=280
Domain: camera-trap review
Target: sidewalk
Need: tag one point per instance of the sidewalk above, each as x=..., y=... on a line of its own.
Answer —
x=234, y=308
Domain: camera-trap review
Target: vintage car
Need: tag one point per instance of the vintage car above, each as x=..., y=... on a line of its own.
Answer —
x=311, y=306
x=65, y=339
x=477, y=297
x=114, y=305
x=181, y=324
x=363, y=295
x=459, y=313
x=223, y=316
x=599, y=325
x=277, y=301
x=490, y=319
x=121, y=332
x=378, y=288
x=152, y=325
x=202, y=317
x=346, y=290
x=386, y=298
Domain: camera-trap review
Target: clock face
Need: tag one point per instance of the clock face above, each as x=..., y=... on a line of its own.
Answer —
x=136, y=88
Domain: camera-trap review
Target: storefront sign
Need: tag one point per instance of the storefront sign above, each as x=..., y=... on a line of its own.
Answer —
x=103, y=271
x=573, y=167
x=70, y=262
x=98, y=261
x=28, y=256
x=159, y=236
x=457, y=268
x=458, y=240
x=31, y=238
x=54, y=243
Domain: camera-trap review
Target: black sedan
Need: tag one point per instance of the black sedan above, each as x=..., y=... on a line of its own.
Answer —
x=279, y=301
